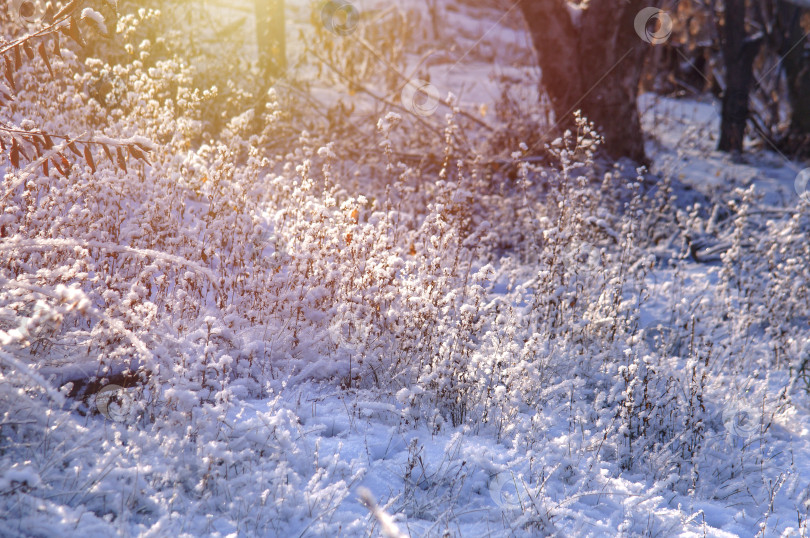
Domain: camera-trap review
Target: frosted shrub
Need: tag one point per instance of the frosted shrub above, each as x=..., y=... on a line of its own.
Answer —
x=464, y=299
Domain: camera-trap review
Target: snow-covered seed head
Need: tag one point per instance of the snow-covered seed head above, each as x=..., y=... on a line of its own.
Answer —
x=114, y=402
x=508, y=491
x=802, y=184
x=653, y=25
x=340, y=17
x=420, y=97
x=25, y=11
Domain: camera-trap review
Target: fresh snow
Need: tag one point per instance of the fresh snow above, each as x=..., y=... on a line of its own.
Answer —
x=309, y=458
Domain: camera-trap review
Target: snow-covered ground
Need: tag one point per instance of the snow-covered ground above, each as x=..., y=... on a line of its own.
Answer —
x=294, y=463
x=185, y=459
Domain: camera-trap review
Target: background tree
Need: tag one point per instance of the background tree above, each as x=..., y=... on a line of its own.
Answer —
x=591, y=60
x=789, y=40
x=270, y=38
x=753, y=55
x=739, y=52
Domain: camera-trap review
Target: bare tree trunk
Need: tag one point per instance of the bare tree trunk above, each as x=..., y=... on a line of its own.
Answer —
x=270, y=37
x=792, y=48
x=592, y=61
x=739, y=52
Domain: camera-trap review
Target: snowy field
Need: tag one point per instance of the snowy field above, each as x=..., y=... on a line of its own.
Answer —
x=383, y=372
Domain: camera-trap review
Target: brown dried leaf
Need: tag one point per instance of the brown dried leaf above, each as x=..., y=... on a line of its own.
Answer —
x=47, y=17
x=72, y=147
x=29, y=50
x=69, y=8
x=10, y=73
x=37, y=143
x=14, y=155
x=88, y=156
x=56, y=165
x=44, y=54
x=73, y=32
x=107, y=152
x=122, y=161
x=57, y=47
x=17, y=57
x=135, y=152
x=23, y=153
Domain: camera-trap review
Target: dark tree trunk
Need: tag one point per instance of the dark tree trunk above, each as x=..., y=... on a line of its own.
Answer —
x=270, y=37
x=792, y=48
x=739, y=52
x=594, y=65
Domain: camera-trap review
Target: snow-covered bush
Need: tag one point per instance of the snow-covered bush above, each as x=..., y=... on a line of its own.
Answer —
x=456, y=298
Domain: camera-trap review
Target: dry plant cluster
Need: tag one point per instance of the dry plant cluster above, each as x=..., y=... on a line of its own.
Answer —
x=468, y=292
